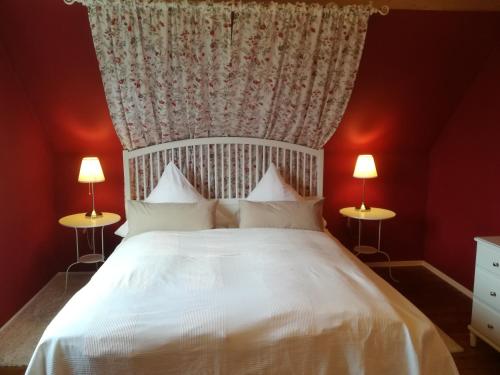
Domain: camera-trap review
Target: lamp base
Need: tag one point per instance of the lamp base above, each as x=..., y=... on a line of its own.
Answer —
x=93, y=214
x=363, y=207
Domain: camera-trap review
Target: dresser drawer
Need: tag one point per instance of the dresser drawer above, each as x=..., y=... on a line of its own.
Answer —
x=487, y=288
x=486, y=321
x=488, y=257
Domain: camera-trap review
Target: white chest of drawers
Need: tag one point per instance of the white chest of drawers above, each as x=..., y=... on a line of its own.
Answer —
x=485, y=321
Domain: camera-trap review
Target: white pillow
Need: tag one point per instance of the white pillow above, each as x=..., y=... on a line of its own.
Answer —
x=168, y=216
x=305, y=214
x=272, y=187
x=172, y=187
x=226, y=214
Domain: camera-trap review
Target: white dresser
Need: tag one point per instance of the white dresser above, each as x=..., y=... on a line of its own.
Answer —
x=485, y=321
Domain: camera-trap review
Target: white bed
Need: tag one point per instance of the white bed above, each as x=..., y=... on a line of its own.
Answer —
x=237, y=301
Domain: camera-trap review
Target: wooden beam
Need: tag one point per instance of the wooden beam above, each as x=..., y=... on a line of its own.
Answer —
x=442, y=5
x=436, y=5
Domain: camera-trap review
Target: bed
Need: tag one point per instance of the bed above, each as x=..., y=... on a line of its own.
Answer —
x=232, y=300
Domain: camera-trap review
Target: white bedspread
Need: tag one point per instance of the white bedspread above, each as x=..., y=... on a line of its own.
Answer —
x=238, y=301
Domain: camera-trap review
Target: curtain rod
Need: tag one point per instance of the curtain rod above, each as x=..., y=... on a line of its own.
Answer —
x=383, y=10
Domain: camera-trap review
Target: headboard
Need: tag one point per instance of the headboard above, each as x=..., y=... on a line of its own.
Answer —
x=224, y=167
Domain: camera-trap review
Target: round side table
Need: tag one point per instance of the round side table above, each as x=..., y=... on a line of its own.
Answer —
x=80, y=221
x=374, y=214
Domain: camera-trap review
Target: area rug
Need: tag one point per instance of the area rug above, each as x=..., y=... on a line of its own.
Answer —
x=18, y=338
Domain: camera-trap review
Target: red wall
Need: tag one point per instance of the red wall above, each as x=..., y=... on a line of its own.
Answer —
x=415, y=67
x=52, y=51
x=27, y=191
x=464, y=178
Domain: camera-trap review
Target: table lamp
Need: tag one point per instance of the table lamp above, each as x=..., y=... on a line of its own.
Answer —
x=365, y=168
x=91, y=172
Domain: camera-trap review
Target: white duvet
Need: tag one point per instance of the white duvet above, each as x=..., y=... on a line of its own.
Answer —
x=238, y=301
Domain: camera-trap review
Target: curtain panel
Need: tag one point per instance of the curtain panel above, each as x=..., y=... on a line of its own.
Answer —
x=194, y=69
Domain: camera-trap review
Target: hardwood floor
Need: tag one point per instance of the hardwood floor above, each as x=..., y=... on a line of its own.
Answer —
x=444, y=305
x=450, y=310
x=12, y=370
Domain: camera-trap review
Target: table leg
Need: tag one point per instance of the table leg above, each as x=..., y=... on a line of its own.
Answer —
x=93, y=240
x=102, y=248
x=383, y=252
x=359, y=232
x=72, y=264
x=472, y=339
x=390, y=267
x=67, y=273
x=379, y=233
x=77, y=248
x=102, y=242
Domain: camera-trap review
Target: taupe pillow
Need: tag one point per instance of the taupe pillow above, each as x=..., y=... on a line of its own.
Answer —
x=146, y=217
x=305, y=214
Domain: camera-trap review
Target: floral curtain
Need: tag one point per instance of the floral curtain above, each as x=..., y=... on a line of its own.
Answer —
x=164, y=67
x=293, y=67
x=194, y=69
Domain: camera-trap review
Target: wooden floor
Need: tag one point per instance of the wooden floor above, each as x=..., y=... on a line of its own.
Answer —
x=444, y=305
x=448, y=309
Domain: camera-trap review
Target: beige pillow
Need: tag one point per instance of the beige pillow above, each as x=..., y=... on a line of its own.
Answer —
x=293, y=215
x=145, y=217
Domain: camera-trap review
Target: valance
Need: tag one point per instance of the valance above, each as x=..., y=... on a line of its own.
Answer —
x=177, y=70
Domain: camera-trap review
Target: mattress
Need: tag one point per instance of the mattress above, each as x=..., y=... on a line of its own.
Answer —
x=238, y=301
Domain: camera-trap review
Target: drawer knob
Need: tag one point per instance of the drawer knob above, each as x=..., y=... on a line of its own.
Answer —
x=493, y=294
x=495, y=264
x=490, y=326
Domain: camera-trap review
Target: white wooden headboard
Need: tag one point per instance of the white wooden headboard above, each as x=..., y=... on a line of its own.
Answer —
x=224, y=167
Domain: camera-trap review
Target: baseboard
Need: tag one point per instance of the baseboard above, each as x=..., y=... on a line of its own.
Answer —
x=400, y=263
x=32, y=298
x=448, y=279
x=414, y=263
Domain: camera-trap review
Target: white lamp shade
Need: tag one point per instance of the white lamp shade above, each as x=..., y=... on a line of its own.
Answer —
x=365, y=167
x=90, y=170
